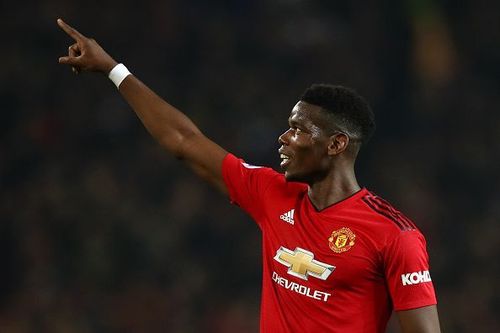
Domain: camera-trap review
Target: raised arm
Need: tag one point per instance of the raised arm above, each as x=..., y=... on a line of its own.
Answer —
x=170, y=127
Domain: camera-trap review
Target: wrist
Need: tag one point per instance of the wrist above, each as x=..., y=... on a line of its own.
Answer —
x=109, y=67
x=118, y=73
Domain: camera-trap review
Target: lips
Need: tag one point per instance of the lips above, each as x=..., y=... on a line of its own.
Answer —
x=285, y=158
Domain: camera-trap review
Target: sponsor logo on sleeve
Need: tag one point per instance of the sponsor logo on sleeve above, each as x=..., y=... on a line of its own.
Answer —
x=409, y=279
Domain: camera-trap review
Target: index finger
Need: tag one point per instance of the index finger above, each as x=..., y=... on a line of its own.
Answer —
x=72, y=32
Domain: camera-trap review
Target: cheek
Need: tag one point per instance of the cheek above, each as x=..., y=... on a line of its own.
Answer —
x=319, y=156
x=311, y=157
x=310, y=151
x=304, y=149
x=303, y=142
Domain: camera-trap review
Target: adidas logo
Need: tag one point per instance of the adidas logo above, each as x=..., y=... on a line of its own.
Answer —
x=288, y=216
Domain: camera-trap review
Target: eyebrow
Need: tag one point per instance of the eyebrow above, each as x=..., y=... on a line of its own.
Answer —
x=295, y=122
x=296, y=119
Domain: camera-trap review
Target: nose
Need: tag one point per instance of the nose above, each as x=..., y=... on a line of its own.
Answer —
x=283, y=139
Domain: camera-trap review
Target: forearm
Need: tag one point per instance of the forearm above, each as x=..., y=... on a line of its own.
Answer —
x=170, y=127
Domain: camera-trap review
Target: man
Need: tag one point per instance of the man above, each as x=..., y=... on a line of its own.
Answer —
x=336, y=257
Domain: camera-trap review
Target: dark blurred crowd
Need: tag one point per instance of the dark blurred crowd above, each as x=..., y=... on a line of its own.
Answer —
x=101, y=231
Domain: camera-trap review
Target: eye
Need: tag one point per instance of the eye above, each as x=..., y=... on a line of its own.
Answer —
x=296, y=129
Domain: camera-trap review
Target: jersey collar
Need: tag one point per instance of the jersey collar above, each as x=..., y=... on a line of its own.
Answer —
x=346, y=202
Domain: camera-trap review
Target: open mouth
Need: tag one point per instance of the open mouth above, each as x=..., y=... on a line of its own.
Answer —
x=285, y=160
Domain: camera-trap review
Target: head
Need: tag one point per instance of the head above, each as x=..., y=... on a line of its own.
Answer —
x=328, y=126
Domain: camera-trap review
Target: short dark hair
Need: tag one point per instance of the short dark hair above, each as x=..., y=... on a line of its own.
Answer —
x=350, y=112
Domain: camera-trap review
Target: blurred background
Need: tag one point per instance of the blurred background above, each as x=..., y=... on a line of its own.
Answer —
x=102, y=231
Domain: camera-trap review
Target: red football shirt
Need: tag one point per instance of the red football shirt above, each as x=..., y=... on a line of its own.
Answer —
x=341, y=269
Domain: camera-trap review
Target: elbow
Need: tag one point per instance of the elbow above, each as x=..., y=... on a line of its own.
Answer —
x=179, y=143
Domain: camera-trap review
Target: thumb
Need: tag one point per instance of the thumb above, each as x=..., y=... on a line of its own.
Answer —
x=69, y=61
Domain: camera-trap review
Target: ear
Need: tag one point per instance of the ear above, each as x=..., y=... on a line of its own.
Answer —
x=338, y=144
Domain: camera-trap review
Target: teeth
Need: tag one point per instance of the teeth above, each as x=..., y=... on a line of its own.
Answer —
x=284, y=157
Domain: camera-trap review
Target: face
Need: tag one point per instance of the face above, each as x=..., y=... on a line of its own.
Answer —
x=304, y=146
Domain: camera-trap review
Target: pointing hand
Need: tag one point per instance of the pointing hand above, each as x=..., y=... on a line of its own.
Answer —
x=85, y=54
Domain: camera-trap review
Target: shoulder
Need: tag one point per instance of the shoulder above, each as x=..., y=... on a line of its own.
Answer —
x=232, y=161
x=235, y=165
x=239, y=172
x=385, y=213
x=389, y=224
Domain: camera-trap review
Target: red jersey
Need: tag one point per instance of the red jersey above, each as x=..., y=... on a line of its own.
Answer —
x=342, y=269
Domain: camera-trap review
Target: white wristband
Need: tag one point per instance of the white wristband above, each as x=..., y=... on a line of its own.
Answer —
x=118, y=74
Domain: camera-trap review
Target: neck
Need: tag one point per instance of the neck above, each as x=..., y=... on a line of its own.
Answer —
x=333, y=188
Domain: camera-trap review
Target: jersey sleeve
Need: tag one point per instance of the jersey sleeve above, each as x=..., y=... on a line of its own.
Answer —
x=406, y=265
x=247, y=185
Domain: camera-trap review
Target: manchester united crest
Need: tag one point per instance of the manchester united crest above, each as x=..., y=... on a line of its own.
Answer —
x=341, y=240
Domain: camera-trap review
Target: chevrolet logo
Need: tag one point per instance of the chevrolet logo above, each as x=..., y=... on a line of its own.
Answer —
x=300, y=263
